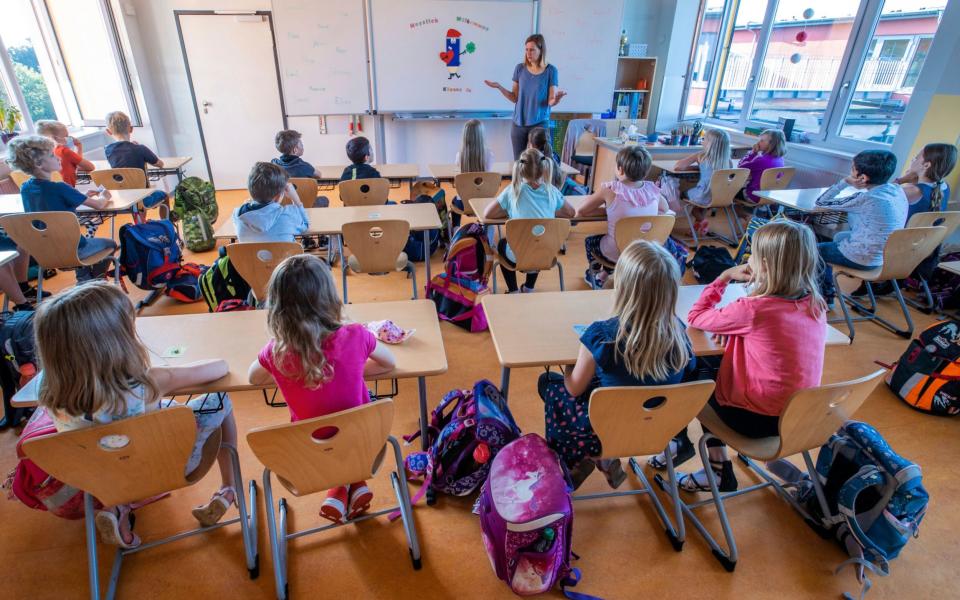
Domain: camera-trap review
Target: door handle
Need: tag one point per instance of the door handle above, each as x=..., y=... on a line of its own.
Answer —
x=205, y=105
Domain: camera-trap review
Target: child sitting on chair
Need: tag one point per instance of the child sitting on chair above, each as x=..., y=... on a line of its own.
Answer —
x=714, y=156
x=264, y=218
x=70, y=158
x=360, y=154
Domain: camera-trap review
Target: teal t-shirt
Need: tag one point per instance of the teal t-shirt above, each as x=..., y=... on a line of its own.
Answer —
x=529, y=203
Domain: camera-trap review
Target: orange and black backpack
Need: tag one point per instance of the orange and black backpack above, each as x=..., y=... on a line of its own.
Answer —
x=927, y=376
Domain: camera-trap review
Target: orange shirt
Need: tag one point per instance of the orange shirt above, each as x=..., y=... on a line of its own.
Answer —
x=68, y=163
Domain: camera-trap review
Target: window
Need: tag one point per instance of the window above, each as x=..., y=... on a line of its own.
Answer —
x=31, y=65
x=843, y=70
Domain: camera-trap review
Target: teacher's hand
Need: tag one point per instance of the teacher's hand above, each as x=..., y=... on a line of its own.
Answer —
x=492, y=84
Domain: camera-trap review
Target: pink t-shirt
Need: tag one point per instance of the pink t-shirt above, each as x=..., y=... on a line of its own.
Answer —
x=775, y=348
x=347, y=350
x=628, y=201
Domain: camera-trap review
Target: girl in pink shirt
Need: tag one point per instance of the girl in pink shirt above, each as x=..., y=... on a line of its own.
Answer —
x=626, y=196
x=773, y=341
x=317, y=360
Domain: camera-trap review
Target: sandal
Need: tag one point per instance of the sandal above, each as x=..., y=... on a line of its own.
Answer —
x=612, y=469
x=107, y=523
x=697, y=482
x=335, y=506
x=681, y=449
x=579, y=473
x=211, y=513
x=360, y=497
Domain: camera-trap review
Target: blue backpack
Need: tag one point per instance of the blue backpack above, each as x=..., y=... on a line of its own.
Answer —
x=876, y=495
x=150, y=253
x=414, y=247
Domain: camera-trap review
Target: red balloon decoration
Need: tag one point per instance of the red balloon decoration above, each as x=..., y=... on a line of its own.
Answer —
x=801, y=36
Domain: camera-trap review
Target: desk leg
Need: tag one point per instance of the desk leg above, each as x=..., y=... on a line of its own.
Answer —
x=179, y=174
x=426, y=253
x=343, y=268
x=504, y=381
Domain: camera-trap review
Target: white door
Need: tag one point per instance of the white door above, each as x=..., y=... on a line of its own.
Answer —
x=231, y=65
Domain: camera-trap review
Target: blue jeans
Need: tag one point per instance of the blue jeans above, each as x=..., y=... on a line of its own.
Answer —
x=830, y=253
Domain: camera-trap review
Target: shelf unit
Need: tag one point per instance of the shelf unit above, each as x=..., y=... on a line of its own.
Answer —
x=634, y=77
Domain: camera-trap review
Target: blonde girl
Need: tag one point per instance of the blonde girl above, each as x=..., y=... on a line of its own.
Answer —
x=529, y=196
x=924, y=184
x=317, y=359
x=773, y=342
x=473, y=157
x=112, y=379
x=714, y=156
x=644, y=343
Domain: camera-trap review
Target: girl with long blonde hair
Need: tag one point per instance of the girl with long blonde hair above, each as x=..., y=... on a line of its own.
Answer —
x=773, y=340
x=473, y=157
x=318, y=359
x=111, y=378
x=644, y=343
x=714, y=156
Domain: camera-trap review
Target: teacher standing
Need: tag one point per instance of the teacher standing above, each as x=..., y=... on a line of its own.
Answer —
x=534, y=92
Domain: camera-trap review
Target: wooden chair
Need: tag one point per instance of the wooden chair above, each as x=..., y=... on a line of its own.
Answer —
x=52, y=238
x=629, y=229
x=904, y=250
x=314, y=455
x=637, y=421
x=18, y=177
x=306, y=189
x=481, y=184
x=256, y=261
x=775, y=178
x=377, y=249
x=120, y=179
x=811, y=416
x=724, y=185
x=584, y=150
x=948, y=219
x=536, y=243
x=136, y=458
x=364, y=192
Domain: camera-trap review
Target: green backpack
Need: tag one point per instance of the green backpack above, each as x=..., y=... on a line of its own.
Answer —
x=195, y=205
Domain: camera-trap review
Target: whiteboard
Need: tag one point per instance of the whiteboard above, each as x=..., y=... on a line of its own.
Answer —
x=583, y=41
x=323, y=56
x=409, y=36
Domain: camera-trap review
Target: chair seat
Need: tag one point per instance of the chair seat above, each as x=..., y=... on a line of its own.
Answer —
x=95, y=258
x=755, y=448
x=505, y=262
x=354, y=264
x=865, y=274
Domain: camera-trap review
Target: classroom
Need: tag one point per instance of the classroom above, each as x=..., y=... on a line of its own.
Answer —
x=459, y=299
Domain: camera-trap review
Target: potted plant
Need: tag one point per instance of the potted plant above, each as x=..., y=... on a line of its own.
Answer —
x=9, y=118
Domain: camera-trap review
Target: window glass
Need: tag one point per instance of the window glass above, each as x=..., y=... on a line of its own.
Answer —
x=31, y=66
x=701, y=70
x=739, y=59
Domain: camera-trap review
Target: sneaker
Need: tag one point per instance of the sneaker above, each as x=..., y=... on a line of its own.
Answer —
x=360, y=498
x=525, y=290
x=335, y=506
x=30, y=292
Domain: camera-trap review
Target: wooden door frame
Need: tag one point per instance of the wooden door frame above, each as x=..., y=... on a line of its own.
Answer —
x=186, y=61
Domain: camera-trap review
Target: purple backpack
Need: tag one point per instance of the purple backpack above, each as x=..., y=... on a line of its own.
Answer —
x=466, y=431
x=526, y=518
x=457, y=291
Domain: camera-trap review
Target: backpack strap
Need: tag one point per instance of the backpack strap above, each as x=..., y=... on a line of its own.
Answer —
x=437, y=417
x=868, y=477
x=572, y=579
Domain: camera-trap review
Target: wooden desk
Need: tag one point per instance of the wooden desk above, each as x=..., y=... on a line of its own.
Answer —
x=534, y=330
x=121, y=201
x=447, y=172
x=666, y=165
x=237, y=337
x=399, y=172
x=172, y=165
x=480, y=204
x=329, y=221
x=803, y=200
x=952, y=266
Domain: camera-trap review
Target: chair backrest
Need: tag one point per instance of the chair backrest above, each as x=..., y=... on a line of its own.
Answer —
x=120, y=179
x=123, y=461
x=256, y=261
x=948, y=219
x=906, y=248
x=537, y=242
x=18, y=177
x=585, y=145
x=635, y=421
x=376, y=244
x=724, y=185
x=653, y=229
x=777, y=178
x=318, y=454
x=306, y=189
x=51, y=238
x=481, y=184
x=814, y=414
x=364, y=192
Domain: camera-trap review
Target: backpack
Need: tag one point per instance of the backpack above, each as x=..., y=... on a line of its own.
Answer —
x=195, y=204
x=927, y=376
x=944, y=285
x=877, y=495
x=18, y=344
x=31, y=485
x=526, y=518
x=679, y=251
x=222, y=282
x=149, y=253
x=414, y=245
x=232, y=306
x=745, y=246
x=466, y=430
x=708, y=262
x=457, y=291
x=429, y=187
x=185, y=283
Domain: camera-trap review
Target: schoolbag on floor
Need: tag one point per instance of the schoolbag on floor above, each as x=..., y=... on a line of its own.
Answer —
x=878, y=496
x=149, y=253
x=429, y=187
x=526, y=518
x=709, y=261
x=222, y=282
x=414, y=246
x=466, y=430
x=18, y=344
x=944, y=286
x=185, y=283
x=927, y=376
x=457, y=291
x=195, y=205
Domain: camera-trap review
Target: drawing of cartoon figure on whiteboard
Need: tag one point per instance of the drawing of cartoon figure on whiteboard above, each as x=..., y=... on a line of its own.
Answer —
x=451, y=56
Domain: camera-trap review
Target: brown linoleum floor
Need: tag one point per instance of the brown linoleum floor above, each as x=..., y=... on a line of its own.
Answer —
x=623, y=551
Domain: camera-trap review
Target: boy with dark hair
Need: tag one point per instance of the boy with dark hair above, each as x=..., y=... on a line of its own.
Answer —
x=289, y=144
x=875, y=208
x=263, y=218
x=360, y=153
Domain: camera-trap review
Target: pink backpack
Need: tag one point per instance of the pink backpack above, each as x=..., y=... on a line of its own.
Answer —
x=458, y=291
x=526, y=519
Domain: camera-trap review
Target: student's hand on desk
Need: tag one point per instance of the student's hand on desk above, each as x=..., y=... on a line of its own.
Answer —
x=721, y=340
